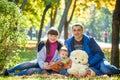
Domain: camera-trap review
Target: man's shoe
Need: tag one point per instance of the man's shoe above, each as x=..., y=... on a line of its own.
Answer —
x=5, y=72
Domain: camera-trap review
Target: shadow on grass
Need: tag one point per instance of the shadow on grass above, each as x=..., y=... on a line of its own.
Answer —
x=28, y=54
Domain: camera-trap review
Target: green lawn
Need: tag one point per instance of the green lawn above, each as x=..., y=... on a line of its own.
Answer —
x=30, y=54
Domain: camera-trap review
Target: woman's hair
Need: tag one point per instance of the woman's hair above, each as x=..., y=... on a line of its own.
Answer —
x=51, y=31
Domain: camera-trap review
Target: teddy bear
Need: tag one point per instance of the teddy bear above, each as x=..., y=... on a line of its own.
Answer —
x=80, y=64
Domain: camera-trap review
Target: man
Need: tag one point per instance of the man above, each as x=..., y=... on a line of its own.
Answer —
x=97, y=61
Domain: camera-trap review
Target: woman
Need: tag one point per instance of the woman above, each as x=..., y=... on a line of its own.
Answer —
x=47, y=51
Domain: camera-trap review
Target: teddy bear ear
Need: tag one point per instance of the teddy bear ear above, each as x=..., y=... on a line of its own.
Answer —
x=85, y=54
x=73, y=53
x=71, y=56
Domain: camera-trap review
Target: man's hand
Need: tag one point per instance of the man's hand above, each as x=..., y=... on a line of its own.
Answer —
x=76, y=75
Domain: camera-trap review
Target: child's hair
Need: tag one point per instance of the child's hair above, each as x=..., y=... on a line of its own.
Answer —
x=64, y=49
x=52, y=31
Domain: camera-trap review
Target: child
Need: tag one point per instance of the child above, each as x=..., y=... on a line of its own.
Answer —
x=61, y=61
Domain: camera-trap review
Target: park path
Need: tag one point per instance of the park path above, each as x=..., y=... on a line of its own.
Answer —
x=101, y=44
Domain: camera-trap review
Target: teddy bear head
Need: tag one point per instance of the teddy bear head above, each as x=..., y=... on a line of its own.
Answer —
x=79, y=57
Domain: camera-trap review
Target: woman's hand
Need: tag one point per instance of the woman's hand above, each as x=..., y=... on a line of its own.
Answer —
x=46, y=67
x=51, y=63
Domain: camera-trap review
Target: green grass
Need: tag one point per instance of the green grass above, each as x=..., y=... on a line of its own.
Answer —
x=30, y=54
x=27, y=54
x=38, y=77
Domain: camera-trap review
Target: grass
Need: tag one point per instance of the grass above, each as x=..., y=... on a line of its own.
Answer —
x=30, y=54
x=38, y=77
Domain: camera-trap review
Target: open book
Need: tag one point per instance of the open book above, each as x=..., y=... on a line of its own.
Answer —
x=60, y=65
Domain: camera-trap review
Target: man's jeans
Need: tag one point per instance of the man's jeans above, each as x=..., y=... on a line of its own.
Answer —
x=106, y=68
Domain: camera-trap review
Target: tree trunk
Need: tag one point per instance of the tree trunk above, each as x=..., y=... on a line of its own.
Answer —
x=23, y=4
x=42, y=22
x=66, y=33
x=115, y=35
x=53, y=16
x=30, y=33
x=16, y=2
x=66, y=30
x=63, y=19
x=93, y=28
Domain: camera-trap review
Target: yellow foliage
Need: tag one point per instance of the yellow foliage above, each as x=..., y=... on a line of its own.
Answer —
x=83, y=5
x=109, y=4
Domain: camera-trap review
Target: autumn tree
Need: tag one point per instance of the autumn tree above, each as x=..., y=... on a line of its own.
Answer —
x=53, y=14
x=64, y=16
x=48, y=4
x=12, y=37
x=67, y=21
x=17, y=2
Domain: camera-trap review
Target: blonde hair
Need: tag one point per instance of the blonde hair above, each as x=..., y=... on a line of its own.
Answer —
x=63, y=49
